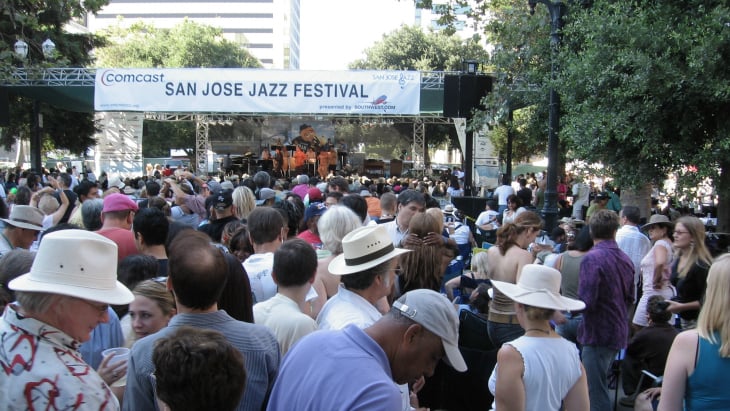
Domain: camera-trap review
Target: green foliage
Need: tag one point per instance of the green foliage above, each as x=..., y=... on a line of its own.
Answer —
x=410, y=48
x=34, y=21
x=646, y=89
x=160, y=136
x=188, y=44
x=521, y=63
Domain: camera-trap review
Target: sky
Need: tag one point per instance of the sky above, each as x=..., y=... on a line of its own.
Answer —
x=334, y=33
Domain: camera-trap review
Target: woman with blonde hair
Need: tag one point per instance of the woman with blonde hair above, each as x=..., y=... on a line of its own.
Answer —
x=421, y=268
x=689, y=271
x=469, y=282
x=244, y=201
x=700, y=359
x=151, y=310
x=505, y=262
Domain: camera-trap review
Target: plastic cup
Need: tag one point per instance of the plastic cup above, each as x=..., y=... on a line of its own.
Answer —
x=121, y=354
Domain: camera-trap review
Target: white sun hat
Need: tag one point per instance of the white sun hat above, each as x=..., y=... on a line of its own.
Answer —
x=363, y=248
x=77, y=263
x=539, y=286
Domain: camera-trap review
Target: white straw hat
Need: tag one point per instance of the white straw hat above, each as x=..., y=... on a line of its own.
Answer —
x=539, y=286
x=363, y=248
x=76, y=263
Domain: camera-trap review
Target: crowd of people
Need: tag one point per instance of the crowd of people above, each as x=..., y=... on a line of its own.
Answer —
x=285, y=289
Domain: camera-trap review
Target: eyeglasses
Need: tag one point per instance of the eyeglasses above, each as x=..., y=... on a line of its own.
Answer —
x=680, y=232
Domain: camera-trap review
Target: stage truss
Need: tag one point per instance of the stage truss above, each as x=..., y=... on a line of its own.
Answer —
x=85, y=77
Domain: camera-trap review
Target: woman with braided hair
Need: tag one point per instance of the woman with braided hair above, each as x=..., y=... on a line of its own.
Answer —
x=505, y=262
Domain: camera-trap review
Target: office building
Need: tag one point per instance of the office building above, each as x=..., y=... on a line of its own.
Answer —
x=269, y=29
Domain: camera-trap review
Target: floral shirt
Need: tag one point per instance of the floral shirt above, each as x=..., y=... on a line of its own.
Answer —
x=41, y=369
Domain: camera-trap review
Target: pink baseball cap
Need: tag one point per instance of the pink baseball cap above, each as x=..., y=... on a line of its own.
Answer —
x=118, y=202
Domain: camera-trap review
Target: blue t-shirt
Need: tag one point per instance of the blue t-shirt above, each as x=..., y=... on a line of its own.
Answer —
x=335, y=370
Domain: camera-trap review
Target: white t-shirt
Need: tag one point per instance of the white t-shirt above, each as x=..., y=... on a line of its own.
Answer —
x=282, y=316
x=487, y=217
x=258, y=267
x=502, y=192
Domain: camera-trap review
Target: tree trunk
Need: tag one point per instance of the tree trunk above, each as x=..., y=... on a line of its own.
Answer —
x=640, y=198
x=723, y=203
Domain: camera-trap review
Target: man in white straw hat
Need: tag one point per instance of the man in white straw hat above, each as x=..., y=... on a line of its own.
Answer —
x=355, y=368
x=60, y=301
x=539, y=370
x=367, y=269
x=361, y=295
x=21, y=228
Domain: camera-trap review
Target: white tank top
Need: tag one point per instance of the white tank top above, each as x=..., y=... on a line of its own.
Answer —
x=552, y=366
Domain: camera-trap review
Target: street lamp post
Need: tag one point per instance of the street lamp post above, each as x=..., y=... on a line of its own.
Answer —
x=550, y=210
x=48, y=49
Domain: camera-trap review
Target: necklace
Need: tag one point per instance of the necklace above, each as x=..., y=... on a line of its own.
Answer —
x=537, y=329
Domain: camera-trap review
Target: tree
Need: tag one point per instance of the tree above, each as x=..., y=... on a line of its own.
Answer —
x=521, y=69
x=410, y=48
x=188, y=44
x=646, y=90
x=644, y=85
x=34, y=21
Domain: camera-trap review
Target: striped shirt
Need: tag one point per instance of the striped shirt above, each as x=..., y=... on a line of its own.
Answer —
x=258, y=346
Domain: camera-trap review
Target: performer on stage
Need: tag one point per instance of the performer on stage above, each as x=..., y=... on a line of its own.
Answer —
x=324, y=161
x=300, y=161
x=278, y=162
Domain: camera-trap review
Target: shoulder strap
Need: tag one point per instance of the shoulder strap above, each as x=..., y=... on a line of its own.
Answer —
x=697, y=350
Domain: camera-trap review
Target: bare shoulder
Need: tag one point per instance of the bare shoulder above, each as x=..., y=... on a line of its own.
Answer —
x=686, y=339
x=508, y=353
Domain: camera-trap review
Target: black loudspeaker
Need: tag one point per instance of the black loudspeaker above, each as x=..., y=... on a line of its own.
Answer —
x=471, y=206
x=464, y=92
x=451, y=96
x=4, y=108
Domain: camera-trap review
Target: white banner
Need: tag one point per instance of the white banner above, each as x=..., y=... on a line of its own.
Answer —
x=258, y=91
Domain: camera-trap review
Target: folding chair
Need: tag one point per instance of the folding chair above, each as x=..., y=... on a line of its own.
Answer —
x=614, y=376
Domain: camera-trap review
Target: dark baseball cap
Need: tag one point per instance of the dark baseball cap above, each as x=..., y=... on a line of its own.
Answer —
x=223, y=200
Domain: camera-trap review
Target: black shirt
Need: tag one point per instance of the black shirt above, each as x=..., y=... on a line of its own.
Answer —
x=214, y=229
